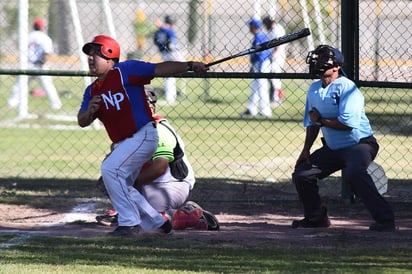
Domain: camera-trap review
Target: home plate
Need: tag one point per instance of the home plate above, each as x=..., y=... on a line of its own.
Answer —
x=85, y=212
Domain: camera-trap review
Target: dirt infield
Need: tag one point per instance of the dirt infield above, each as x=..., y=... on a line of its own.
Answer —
x=248, y=212
x=248, y=223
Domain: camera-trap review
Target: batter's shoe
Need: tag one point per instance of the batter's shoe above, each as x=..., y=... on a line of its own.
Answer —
x=109, y=219
x=307, y=223
x=383, y=227
x=125, y=231
x=166, y=227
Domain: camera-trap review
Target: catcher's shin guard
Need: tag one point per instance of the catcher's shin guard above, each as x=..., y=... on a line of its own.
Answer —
x=191, y=215
x=186, y=218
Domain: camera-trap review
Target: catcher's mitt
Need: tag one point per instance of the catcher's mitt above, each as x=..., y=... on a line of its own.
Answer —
x=207, y=221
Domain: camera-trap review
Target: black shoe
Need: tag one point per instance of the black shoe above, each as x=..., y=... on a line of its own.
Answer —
x=166, y=227
x=125, y=231
x=306, y=223
x=107, y=220
x=245, y=114
x=383, y=227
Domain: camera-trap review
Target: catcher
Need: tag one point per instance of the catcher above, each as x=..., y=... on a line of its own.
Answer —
x=166, y=181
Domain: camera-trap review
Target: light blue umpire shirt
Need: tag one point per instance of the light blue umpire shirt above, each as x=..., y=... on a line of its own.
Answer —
x=343, y=100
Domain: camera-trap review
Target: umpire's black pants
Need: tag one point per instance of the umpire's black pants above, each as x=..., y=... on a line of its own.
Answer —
x=353, y=162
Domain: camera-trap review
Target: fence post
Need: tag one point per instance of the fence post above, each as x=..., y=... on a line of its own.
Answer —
x=350, y=37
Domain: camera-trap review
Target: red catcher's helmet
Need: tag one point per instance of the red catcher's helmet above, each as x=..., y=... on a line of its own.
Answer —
x=39, y=23
x=109, y=48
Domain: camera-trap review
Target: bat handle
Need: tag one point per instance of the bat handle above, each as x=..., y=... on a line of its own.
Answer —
x=215, y=62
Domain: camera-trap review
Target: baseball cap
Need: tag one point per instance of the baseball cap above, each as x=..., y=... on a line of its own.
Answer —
x=254, y=23
x=268, y=21
x=170, y=19
x=39, y=23
x=338, y=59
x=338, y=56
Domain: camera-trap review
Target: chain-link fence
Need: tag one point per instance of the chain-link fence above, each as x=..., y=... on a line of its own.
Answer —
x=40, y=140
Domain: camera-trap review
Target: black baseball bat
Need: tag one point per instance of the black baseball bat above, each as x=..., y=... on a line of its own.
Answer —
x=267, y=45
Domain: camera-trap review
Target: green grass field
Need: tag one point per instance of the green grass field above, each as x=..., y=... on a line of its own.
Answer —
x=220, y=145
x=218, y=142
x=154, y=255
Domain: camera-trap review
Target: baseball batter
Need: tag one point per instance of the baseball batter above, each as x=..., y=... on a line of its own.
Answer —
x=118, y=100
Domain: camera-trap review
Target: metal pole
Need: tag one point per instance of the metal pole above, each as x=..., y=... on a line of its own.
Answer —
x=349, y=43
x=23, y=42
x=109, y=18
x=207, y=43
x=377, y=34
x=307, y=23
x=319, y=21
x=257, y=7
x=79, y=38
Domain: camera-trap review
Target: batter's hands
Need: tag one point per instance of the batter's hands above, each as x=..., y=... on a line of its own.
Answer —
x=86, y=117
x=94, y=104
x=314, y=115
x=199, y=67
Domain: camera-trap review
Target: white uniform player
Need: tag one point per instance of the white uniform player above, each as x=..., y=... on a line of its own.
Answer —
x=278, y=58
x=40, y=45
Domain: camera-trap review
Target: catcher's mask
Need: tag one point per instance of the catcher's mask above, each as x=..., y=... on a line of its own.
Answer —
x=106, y=46
x=324, y=57
x=151, y=96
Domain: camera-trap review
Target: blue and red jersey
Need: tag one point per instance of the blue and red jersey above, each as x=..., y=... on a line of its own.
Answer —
x=124, y=108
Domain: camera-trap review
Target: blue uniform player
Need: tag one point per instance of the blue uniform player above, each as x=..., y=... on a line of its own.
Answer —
x=117, y=98
x=259, y=103
x=165, y=39
x=335, y=106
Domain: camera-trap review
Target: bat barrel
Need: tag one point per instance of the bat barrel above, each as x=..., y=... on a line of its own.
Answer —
x=267, y=45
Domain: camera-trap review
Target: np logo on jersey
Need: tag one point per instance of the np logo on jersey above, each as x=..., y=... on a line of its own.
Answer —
x=113, y=100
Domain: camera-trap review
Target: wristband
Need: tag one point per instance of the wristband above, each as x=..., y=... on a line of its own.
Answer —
x=319, y=122
x=190, y=66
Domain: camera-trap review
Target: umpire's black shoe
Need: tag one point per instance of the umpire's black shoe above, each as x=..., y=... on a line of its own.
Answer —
x=307, y=223
x=383, y=227
x=125, y=231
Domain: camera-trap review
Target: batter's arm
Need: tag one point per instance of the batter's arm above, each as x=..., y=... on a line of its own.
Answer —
x=170, y=68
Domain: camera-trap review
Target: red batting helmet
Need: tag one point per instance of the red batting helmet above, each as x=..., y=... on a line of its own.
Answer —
x=109, y=48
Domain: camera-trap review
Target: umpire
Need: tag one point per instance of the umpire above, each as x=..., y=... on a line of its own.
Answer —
x=335, y=106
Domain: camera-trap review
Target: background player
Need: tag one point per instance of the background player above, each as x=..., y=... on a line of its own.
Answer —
x=278, y=59
x=40, y=47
